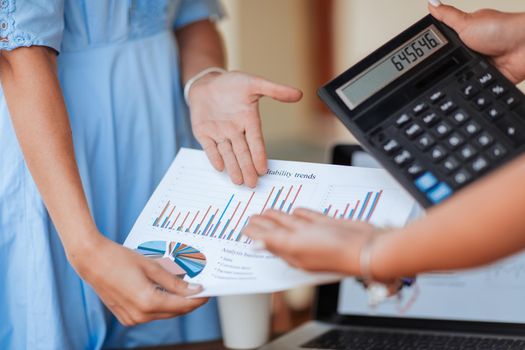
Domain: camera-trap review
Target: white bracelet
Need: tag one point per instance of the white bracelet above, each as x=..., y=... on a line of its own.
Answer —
x=197, y=76
x=365, y=259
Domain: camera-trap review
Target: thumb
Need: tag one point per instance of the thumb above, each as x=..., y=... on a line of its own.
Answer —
x=276, y=91
x=451, y=16
x=159, y=272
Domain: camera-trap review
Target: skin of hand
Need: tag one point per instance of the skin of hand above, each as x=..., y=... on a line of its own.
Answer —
x=134, y=288
x=310, y=240
x=226, y=121
x=224, y=108
x=498, y=35
x=126, y=281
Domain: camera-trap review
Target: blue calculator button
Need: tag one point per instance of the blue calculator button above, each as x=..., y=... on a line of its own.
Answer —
x=426, y=181
x=439, y=193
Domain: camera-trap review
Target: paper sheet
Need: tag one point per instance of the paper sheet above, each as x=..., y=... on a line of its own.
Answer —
x=193, y=222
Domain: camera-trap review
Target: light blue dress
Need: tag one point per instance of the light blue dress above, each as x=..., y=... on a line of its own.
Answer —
x=119, y=72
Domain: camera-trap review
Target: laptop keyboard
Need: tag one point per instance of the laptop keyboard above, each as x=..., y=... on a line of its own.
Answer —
x=370, y=340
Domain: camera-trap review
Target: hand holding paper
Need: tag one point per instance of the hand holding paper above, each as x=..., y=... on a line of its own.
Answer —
x=193, y=223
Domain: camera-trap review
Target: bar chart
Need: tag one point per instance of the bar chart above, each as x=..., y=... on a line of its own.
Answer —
x=221, y=213
x=351, y=204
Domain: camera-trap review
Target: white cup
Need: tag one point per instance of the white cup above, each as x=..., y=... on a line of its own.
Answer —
x=245, y=320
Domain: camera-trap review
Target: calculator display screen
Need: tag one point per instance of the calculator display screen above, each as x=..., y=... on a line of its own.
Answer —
x=392, y=66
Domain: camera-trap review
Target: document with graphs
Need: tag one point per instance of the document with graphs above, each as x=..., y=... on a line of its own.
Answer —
x=193, y=223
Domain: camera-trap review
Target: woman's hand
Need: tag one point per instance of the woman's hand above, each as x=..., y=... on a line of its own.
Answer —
x=225, y=119
x=311, y=240
x=134, y=288
x=498, y=35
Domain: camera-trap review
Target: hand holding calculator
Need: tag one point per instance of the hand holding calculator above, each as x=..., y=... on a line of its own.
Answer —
x=434, y=113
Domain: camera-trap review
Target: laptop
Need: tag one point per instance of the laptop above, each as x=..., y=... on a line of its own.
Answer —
x=476, y=309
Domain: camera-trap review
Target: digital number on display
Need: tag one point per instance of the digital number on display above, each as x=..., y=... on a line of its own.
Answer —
x=415, y=50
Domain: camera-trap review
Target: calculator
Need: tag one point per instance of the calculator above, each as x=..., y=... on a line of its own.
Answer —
x=434, y=113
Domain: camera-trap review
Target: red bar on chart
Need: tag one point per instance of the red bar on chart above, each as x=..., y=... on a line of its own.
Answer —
x=268, y=199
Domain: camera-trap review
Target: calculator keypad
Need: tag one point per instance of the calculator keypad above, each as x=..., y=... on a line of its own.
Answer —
x=447, y=139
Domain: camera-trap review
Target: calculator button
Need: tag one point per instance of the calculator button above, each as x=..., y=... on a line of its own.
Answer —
x=415, y=170
x=479, y=164
x=498, y=90
x=450, y=164
x=462, y=177
x=438, y=153
x=469, y=91
x=468, y=151
x=459, y=117
x=511, y=101
x=513, y=128
x=455, y=140
x=484, y=139
x=486, y=79
x=494, y=113
x=430, y=119
x=403, y=158
x=420, y=108
x=497, y=151
x=442, y=129
x=391, y=146
x=413, y=131
x=447, y=106
x=426, y=181
x=425, y=141
x=472, y=128
x=439, y=193
x=481, y=102
x=436, y=96
x=402, y=119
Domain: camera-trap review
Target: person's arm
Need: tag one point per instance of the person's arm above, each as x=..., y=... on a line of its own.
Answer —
x=481, y=224
x=225, y=107
x=38, y=113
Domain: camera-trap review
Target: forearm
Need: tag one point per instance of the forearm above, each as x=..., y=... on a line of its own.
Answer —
x=481, y=224
x=39, y=117
x=200, y=47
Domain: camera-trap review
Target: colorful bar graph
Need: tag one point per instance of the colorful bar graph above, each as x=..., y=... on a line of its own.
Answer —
x=226, y=222
x=358, y=212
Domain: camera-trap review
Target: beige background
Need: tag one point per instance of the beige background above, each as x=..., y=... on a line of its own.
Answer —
x=272, y=38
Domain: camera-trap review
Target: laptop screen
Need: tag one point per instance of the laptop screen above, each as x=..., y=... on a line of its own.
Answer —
x=494, y=293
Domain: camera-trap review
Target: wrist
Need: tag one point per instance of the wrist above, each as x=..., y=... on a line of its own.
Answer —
x=80, y=249
x=381, y=268
x=199, y=78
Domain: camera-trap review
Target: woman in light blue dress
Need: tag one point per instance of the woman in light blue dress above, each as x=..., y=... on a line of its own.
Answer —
x=85, y=136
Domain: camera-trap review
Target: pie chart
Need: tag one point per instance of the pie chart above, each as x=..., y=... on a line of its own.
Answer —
x=178, y=258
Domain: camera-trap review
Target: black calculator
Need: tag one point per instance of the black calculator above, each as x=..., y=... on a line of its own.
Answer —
x=434, y=113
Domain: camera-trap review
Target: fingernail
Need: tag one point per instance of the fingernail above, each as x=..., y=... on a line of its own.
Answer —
x=435, y=3
x=258, y=245
x=194, y=286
